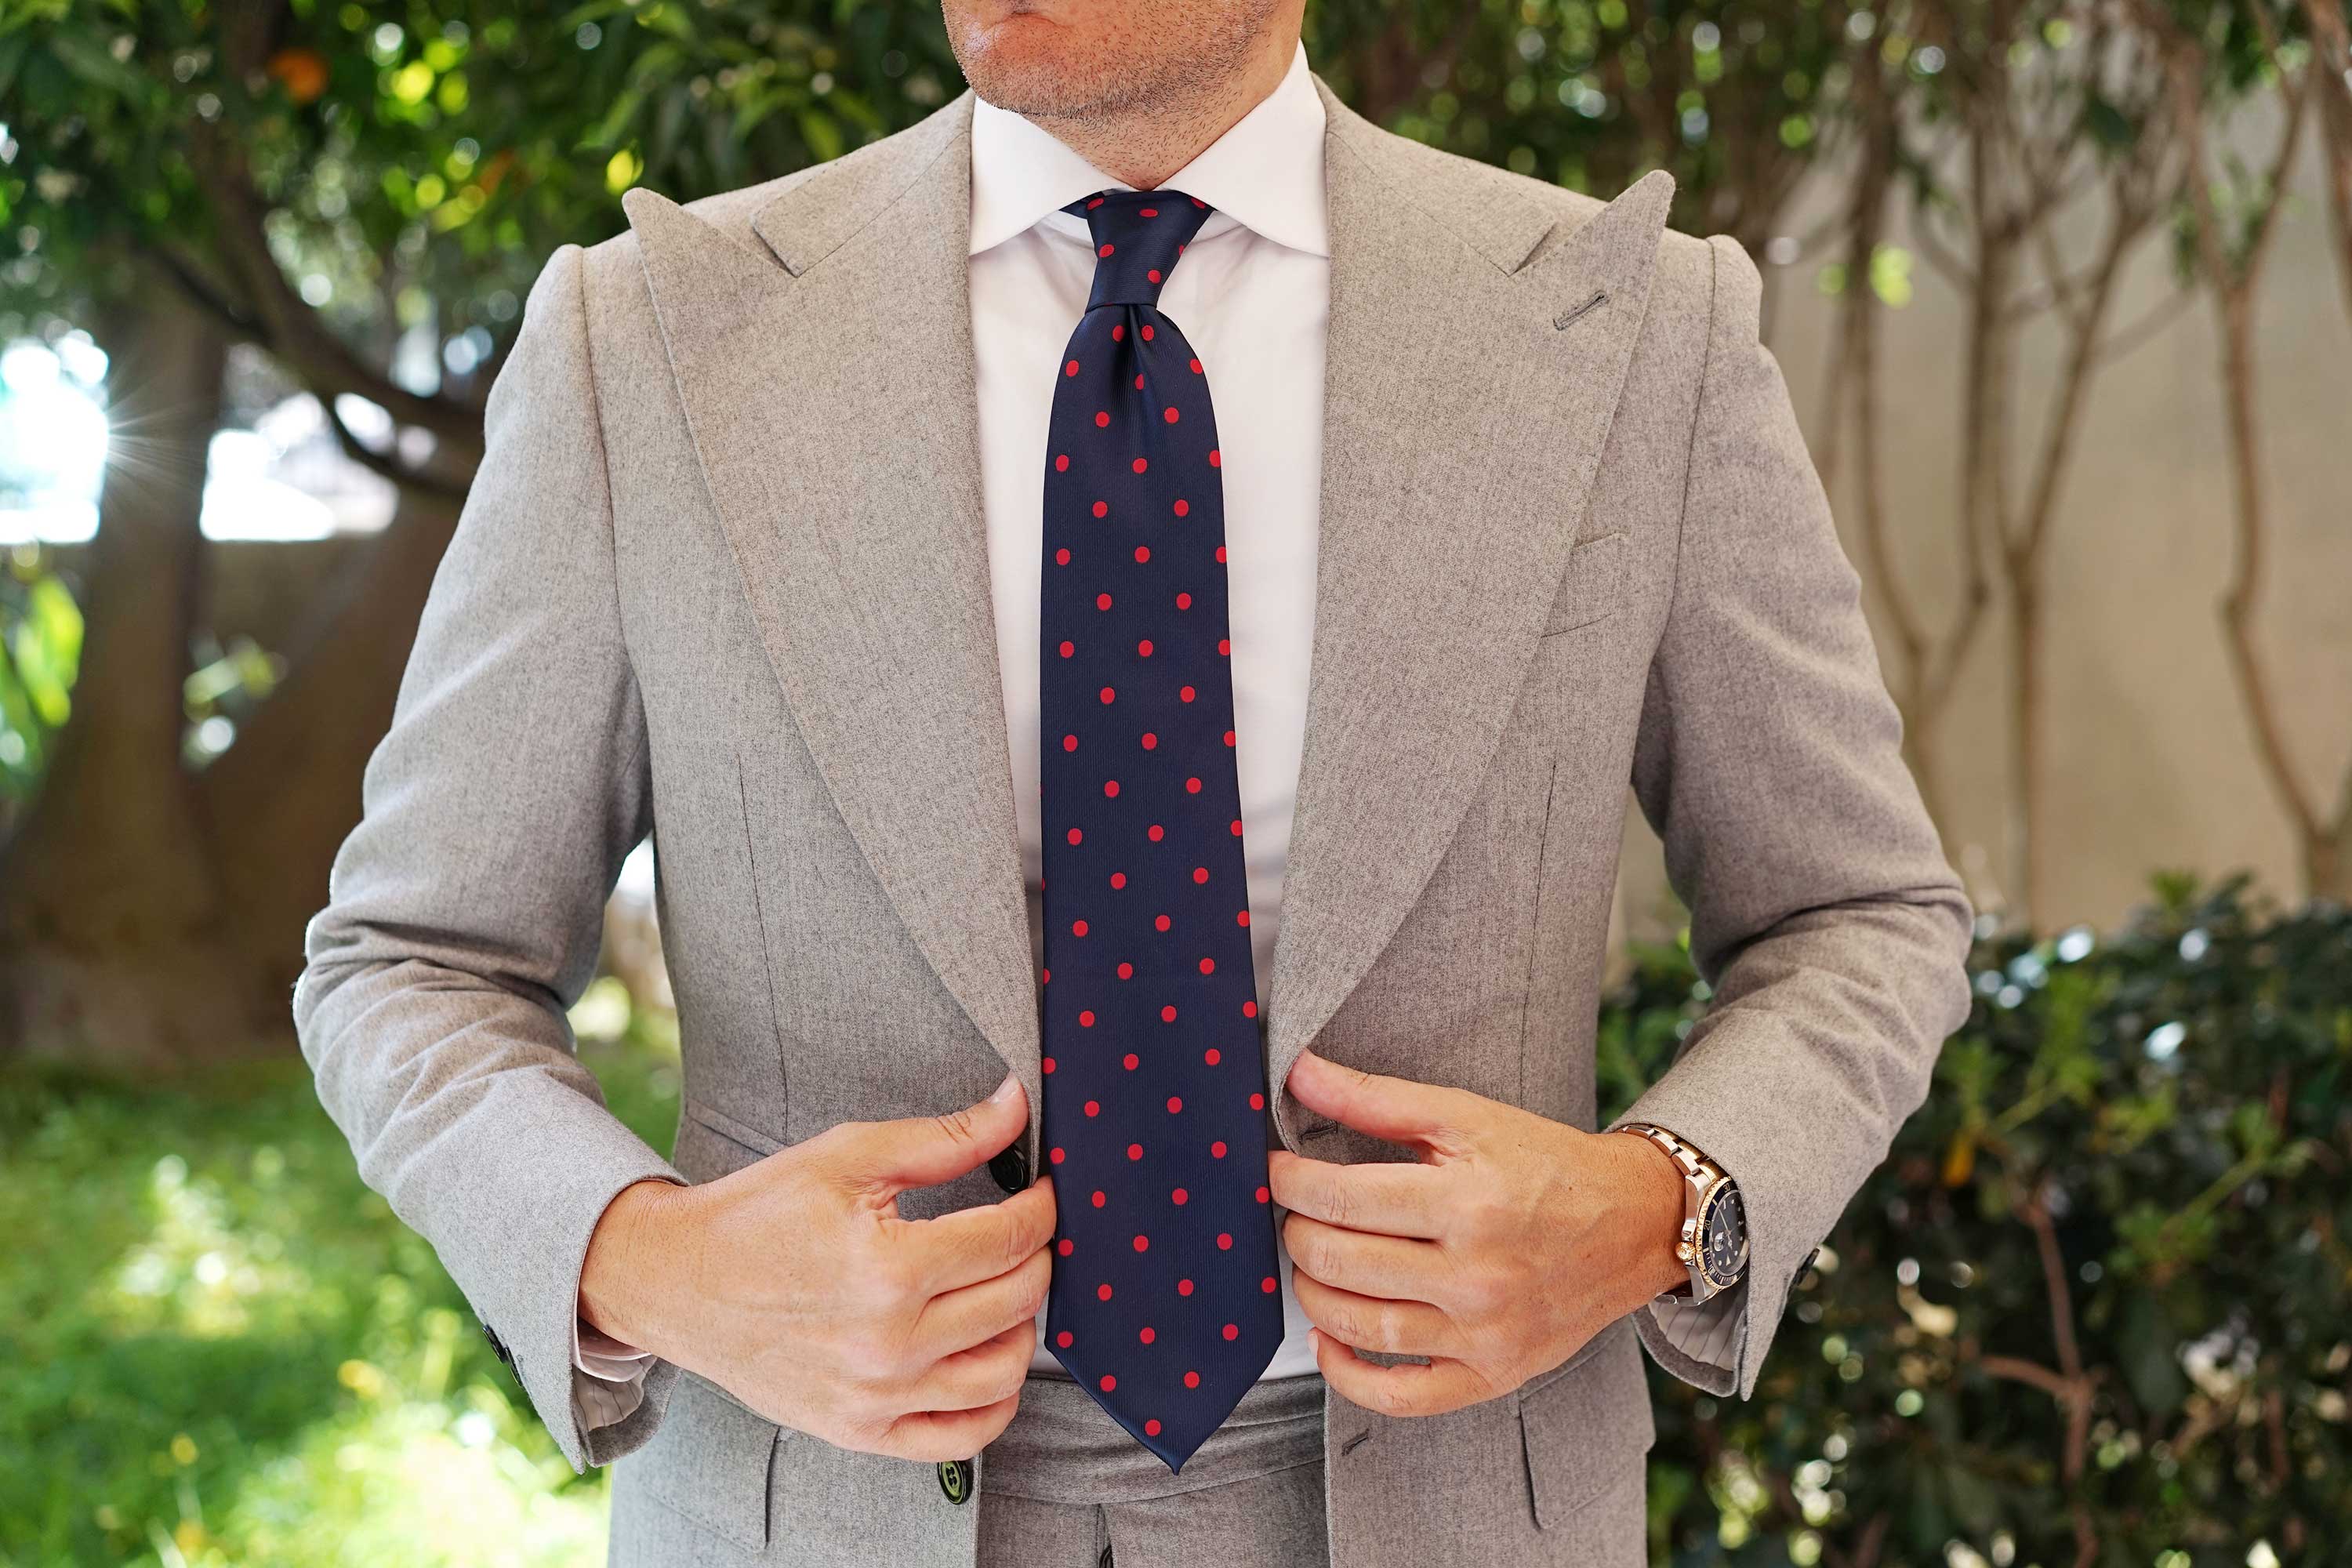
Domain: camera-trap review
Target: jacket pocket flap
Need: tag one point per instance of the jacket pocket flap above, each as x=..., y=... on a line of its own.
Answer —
x=711, y=1459
x=1587, y=1425
x=1593, y=584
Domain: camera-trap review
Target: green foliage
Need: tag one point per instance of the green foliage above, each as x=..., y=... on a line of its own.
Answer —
x=2128, y=1183
x=221, y=1348
x=40, y=654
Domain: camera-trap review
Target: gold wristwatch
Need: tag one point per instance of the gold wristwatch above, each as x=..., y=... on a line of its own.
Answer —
x=1713, y=1244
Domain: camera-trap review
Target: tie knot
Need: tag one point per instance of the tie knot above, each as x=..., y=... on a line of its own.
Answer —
x=1138, y=236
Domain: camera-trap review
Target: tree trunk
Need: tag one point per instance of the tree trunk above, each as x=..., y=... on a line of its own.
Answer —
x=280, y=804
x=110, y=910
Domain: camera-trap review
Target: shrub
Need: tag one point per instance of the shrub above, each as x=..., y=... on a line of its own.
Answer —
x=2097, y=1307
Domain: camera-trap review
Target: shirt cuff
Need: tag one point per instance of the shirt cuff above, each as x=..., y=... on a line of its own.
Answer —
x=609, y=1377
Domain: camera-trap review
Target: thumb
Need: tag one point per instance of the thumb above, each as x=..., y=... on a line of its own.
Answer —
x=1397, y=1110
x=924, y=1151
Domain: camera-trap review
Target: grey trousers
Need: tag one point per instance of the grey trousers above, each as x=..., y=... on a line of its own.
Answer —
x=1063, y=1487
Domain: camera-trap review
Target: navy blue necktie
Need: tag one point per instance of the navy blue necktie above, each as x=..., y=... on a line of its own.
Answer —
x=1164, y=1301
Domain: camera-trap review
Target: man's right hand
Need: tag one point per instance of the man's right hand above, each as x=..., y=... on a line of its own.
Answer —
x=795, y=1285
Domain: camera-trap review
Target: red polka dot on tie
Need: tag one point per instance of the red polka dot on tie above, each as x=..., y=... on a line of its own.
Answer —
x=1094, y=1106
x=1077, y=928
x=1257, y=1102
x=1066, y=1247
x=1103, y=418
x=1139, y=381
x=1151, y=1429
x=1147, y=332
x=1071, y=368
x=1062, y=463
x=1046, y=1067
x=1224, y=1241
x=1249, y=1009
x=1191, y=1380
x=1153, y=275
x=1183, y=601
x=1208, y=966
x=1169, y=414
x=1058, y=1155
x=1168, y=1013
x=1069, y=648
x=1102, y=1293
x=1183, y=508
x=1224, y=645
x=1236, y=829
x=1232, y=1330
x=1200, y=873
x=1142, y=1244
x=1150, y=740
x=1262, y=1194
x=1147, y=1334
x=1184, y=694
x=1241, y=917
x=1268, y=1285
x=1175, y=1104
x=1183, y=1286
x=1130, y=1062
x=1196, y=365
x=1125, y=971
x=1146, y=211
x=1221, y=555
x=1102, y=508
x=1214, y=462
x=1217, y=1150
x=1109, y=1382
x=1191, y=787
x=1070, y=744
x=1153, y=833
x=1105, y=250
x=1143, y=649
x=1117, y=332
x=1160, y=921
x=1077, y=834
x=1229, y=737
x=1062, y=558
x=1102, y=601
x=1086, y=1019
x=1142, y=463
x=1118, y=878
x=1135, y=1151
x=1108, y=696
x=1100, y=1199
x=1142, y=553
x=1063, y=1339
x=1179, y=1196
x=1211, y=1056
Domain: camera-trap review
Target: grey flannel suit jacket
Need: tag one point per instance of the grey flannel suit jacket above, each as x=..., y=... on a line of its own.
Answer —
x=722, y=579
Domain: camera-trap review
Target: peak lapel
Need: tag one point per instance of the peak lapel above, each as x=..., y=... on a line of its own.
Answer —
x=1470, y=383
x=829, y=393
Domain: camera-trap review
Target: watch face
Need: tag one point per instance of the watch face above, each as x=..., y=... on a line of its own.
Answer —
x=1723, y=1238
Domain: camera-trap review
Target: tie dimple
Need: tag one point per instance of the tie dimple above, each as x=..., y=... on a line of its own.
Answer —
x=1164, y=1303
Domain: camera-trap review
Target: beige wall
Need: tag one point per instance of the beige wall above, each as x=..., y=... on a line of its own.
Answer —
x=2150, y=759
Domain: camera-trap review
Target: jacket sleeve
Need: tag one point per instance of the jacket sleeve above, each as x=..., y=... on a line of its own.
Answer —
x=1824, y=917
x=465, y=911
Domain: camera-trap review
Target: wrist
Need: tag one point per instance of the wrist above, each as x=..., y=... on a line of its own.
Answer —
x=1655, y=1204
x=622, y=1277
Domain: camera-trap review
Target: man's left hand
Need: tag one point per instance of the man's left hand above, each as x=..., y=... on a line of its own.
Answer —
x=1513, y=1241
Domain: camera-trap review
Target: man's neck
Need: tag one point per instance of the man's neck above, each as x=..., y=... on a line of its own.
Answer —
x=1145, y=145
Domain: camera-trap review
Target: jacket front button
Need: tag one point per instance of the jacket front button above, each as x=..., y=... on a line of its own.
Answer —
x=1011, y=1168
x=955, y=1481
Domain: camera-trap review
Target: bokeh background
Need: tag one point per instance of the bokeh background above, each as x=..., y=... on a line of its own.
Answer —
x=2063, y=290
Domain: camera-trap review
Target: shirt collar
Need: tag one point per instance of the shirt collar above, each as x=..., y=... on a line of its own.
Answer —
x=1265, y=172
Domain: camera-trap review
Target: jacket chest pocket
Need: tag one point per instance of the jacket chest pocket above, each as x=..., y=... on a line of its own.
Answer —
x=1593, y=588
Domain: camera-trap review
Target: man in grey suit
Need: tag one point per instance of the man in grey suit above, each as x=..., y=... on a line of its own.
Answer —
x=1519, y=514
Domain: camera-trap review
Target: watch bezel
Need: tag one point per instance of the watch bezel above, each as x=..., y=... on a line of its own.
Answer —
x=1717, y=1191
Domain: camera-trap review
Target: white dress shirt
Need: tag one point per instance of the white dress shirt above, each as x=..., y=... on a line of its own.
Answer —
x=1253, y=296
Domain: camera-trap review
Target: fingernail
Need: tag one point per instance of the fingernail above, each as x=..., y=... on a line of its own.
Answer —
x=1007, y=1089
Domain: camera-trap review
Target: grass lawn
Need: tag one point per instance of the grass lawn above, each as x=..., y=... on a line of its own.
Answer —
x=217, y=1346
